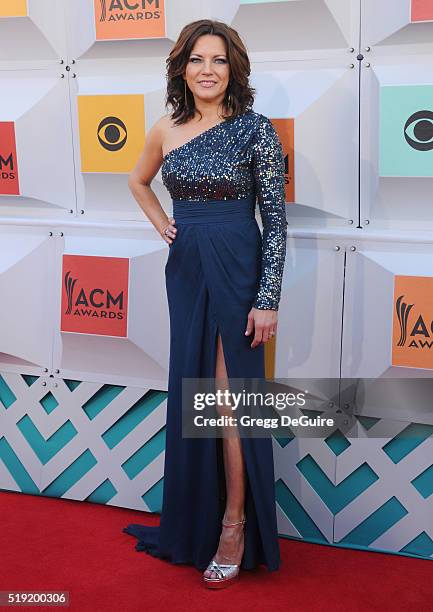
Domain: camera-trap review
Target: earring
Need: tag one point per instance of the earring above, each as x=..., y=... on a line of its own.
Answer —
x=186, y=101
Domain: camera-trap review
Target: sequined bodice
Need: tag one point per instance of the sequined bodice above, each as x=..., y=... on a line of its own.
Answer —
x=230, y=161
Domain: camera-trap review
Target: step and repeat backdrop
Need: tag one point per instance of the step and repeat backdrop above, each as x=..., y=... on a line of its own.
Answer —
x=84, y=328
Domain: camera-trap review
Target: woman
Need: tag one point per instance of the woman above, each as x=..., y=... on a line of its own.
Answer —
x=223, y=285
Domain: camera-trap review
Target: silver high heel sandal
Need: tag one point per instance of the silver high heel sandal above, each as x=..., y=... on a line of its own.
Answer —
x=226, y=572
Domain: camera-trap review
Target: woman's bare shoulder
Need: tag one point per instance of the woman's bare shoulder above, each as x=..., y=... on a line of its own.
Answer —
x=157, y=134
x=164, y=124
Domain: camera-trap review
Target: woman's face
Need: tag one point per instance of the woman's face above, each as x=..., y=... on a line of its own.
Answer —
x=207, y=70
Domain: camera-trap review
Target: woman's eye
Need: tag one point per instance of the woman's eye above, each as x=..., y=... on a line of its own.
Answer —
x=192, y=59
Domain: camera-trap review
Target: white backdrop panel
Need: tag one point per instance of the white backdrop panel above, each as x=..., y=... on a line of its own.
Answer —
x=35, y=40
x=26, y=287
x=141, y=356
x=301, y=29
x=309, y=325
x=392, y=202
x=369, y=304
x=107, y=195
x=38, y=103
x=387, y=27
x=321, y=98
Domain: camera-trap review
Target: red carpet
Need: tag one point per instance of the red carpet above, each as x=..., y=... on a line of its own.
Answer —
x=56, y=544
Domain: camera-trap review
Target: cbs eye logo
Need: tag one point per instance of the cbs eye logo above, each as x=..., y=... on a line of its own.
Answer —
x=418, y=130
x=112, y=134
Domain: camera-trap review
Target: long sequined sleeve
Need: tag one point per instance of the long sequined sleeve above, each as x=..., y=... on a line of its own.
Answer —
x=268, y=168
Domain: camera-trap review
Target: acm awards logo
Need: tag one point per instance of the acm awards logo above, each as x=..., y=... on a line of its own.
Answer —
x=8, y=160
x=129, y=19
x=95, y=295
x=413, y=322
x=7, y=166
x=125, y=10
x=97, y=302
x=420, y=332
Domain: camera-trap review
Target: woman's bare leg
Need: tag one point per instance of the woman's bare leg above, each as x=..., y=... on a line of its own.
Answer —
x=231, y=543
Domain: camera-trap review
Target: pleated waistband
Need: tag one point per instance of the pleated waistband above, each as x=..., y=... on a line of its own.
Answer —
x=213, y=211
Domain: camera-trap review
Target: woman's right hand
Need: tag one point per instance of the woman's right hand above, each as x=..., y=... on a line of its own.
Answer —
x=169, y=231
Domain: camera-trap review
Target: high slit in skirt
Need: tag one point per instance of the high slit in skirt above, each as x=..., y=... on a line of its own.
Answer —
x=212, y=277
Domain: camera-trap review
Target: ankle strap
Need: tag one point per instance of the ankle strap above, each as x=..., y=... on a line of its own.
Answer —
x=233, y=524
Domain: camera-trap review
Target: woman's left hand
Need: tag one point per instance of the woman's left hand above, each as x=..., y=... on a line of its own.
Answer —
x=264, y=323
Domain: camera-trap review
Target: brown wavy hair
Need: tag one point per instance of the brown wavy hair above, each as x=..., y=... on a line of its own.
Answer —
x=239, y=95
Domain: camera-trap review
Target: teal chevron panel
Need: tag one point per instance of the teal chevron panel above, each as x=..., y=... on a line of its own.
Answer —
x=16, y=468
x=377, y=523
x=422, y=545
x=367, y=422
x=71, y=475
x=71, y=384
x=46, y=449
x=29, y=379
x=311, y=413
x=145, y=455
x=337, y=442
x=153, y=497
x=7, y=397
x=101, y=399
x=338, y=496
x=296, y=513
x=284, y=441
x=423, y=483
x=133, y=417
x=407, y=440
x=49, y=403
x=103, y=493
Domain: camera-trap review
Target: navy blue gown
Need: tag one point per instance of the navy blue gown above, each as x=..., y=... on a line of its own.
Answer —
x=218, y=267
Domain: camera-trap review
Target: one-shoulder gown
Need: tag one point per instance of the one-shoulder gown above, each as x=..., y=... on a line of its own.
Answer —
x=218, y=267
